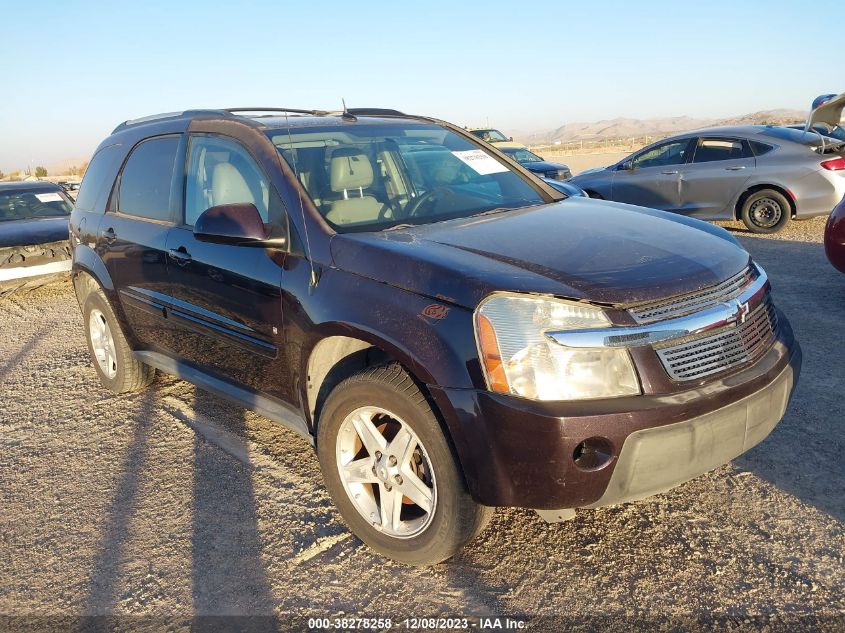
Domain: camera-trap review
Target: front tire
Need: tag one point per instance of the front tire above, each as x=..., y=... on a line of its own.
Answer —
x=391, y=470
x=118, y=369
x=766, y=211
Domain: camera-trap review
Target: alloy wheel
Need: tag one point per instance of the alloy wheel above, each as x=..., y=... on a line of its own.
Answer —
x=386, y=472
x=102, y=343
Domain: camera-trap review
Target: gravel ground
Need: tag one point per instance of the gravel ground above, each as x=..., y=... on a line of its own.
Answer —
x=158, y=506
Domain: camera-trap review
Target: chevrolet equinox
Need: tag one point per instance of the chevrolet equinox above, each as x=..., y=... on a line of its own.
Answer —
x=450, y=332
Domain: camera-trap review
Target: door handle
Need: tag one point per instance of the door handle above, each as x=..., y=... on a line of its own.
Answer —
x=737, y=168
x=109, y=235
x=670, y=173
x=181, y=255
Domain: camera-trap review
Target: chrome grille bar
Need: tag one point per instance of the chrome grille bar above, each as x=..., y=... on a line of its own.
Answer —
x=719, y=316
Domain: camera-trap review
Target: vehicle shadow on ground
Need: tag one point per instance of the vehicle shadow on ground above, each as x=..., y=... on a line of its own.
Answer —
x=25, y=351
x=803, y=455
x=105, y=576
x=228, y=573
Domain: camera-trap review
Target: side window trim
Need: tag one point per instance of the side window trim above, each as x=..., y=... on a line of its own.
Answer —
x=113, y=205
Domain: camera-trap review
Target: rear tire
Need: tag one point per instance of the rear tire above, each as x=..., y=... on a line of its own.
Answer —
x=766, y=211
x=366, y=422
x=118, y=369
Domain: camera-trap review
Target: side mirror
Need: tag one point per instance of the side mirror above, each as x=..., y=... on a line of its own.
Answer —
x=239, y=224
x=628, y=165
x=510, y=138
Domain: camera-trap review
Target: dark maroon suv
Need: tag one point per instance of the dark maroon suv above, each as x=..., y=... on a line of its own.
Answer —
x=450, y=332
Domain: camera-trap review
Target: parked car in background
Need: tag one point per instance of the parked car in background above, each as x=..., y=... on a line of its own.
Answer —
x=536, y=164
x=34, y=245
x=71, y=188
x=450, y=332
x=834, y=236
x=763, y=175
x=490, y=135
x=564, y=186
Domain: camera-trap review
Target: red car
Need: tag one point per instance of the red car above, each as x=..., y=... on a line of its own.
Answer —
x=834, y=236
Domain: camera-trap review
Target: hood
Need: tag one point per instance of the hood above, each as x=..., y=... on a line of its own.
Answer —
x=592, y=170
x=544, y=165
x=35, y=231
x=583, y=249
x=507, y=144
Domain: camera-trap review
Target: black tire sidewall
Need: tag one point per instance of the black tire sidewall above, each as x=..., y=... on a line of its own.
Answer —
x=786, y=210
x=447, y=532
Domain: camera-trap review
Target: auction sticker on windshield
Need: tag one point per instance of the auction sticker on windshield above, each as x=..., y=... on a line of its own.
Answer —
x=480, y=162
x=48, y=197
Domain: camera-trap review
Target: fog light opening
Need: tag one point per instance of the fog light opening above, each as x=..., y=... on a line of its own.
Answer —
x=594, y=453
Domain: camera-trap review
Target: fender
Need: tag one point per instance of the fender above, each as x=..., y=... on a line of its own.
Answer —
x=434, y=339
x=86, y=260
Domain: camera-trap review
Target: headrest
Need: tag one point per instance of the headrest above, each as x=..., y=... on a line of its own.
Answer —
x=350, y=168
x=228, y=186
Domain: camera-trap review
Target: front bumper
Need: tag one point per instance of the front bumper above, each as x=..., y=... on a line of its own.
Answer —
x=658, y=459
x=24, y=265
x=517, y=452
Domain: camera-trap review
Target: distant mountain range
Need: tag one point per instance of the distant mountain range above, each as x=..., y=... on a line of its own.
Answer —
x=627, y=128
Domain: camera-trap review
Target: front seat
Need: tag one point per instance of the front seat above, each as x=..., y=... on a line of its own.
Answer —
x=350, y=172
x=228, y=186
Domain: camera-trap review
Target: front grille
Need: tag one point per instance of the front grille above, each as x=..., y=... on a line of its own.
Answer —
x=693, y=302
x=729, y=347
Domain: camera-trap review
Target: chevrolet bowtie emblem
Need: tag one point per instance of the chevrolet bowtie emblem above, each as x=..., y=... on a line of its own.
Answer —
x=742, y=311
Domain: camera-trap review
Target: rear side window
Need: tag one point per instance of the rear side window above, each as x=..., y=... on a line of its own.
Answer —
x=98, y=180
x=713, y=149
x=760, y=148
x=145, y=182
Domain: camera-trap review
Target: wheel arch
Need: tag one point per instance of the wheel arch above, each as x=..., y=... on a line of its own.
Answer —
x=339, y=354
x=786, y=193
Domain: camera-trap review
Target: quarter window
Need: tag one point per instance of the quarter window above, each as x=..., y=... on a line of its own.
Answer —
x=145, y=182
x=713, y=149
x=672, y=153
x=760, y=148
x=221, y=171
x=98, y=180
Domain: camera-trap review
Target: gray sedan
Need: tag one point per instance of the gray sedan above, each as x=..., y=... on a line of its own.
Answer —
x=763, y=175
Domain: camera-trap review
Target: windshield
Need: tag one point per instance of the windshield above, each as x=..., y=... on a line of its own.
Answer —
x=491, y=136
x=33, y=203
x=372, y=177
x=524, y=156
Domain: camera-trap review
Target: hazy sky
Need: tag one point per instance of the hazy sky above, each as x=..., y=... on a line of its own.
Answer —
x=73, y=70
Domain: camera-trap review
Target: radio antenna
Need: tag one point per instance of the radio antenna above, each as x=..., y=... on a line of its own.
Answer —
x=308, y=256
x=346, y=113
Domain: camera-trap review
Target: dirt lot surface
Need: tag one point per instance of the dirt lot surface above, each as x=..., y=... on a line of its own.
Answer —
x=160, y=505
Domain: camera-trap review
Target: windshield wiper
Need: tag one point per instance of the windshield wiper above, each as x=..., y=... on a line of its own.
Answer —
x=493, y=211
x=397, y=227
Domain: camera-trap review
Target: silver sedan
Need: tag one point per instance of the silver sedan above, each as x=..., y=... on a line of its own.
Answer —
x=763, y=175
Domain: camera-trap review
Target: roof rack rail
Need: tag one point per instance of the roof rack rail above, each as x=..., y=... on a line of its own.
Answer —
x=291, y=110
x=375, y=112
x=168, y=115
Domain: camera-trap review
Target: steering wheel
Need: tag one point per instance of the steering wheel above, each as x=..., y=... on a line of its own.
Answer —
x=424, y=199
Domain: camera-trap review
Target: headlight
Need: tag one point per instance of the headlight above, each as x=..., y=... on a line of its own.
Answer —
x=519, y=359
